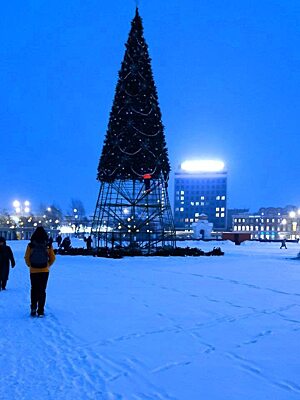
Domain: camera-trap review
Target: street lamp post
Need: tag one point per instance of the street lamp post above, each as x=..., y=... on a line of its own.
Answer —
x=292, y=215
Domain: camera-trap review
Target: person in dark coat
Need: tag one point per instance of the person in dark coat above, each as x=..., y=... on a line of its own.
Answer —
x=66, y=243
x=6, y=257
x=283, y=244
x=88, y=242
x=58, y=240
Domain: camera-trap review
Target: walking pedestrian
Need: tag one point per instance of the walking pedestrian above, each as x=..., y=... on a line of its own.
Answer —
x=283, y=244
x=39, y=257
x=6, y=258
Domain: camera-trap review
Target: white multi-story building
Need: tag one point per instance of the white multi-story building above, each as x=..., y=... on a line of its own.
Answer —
x=269, y=223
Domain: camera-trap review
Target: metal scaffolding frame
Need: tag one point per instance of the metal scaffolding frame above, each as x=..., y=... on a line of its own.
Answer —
x=133, y=214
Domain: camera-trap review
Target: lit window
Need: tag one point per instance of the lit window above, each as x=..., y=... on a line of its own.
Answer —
x=217, y=209
x=197, y=203
x=256, y=228
x=243, y=219
x=218, y=198
x=196, y=214
x=223, y=198
x=192, y=203
x=262, y=228
x=278, y=220
x=268, y=220
x=235, y=219
x=202, y=197
x=182, y=202
x=239, y=228
x=243, y=228
x=182, y=198
x=278, y=213
x=222, y=209
x=267, y=228
x=181, y=209
x=222, y=215
x=182, y=192
x=191, y=220
x=202, y=203
x=273, y=220
x=196, y=219
x=186, y=220
x=235, y=228
x=217, y=215
x=256, y=220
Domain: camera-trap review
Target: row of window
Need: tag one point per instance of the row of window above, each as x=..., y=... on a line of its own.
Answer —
x=257, y=228
x=220, y=215
x=257, y=220
x=192, y=193
x=217, y=210
x=219, y=197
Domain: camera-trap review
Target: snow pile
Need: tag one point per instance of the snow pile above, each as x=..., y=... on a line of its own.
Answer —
x=214, y=328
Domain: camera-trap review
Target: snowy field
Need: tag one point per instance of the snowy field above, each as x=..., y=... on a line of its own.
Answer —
x=207, y=328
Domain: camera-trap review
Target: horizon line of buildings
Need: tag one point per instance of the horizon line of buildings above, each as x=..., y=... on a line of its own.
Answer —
x=200, y=192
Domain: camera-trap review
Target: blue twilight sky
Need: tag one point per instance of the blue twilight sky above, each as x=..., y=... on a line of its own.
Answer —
x=227, y=74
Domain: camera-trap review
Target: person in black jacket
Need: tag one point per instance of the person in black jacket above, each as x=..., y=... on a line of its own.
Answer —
x=6, y=257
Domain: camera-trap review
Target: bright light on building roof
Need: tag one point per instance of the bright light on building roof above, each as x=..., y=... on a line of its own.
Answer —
x=202, y=166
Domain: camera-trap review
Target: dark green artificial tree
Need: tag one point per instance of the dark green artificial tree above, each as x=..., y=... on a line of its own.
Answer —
x=133, y=208
x=134, y=144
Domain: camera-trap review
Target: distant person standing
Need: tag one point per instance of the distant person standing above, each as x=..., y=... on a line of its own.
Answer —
x=283, y=244
x=58, y=240
x=6, y=258
x=39, y=257
x=88, y=242
x=66, y=243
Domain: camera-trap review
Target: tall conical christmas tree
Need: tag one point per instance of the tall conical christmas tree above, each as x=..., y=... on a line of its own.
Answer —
x=135, y=142
x=134, y=165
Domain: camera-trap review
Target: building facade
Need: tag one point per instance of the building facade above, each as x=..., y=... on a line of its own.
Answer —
x=200, y=188
x=269, y=223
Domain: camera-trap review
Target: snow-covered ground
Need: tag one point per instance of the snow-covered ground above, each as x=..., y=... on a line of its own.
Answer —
x=212, y=328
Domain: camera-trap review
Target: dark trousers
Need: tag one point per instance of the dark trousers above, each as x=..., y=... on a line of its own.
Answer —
x=3, y=283
x=38, y=290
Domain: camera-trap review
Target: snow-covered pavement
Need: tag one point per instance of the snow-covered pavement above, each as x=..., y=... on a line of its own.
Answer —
x=213, y=328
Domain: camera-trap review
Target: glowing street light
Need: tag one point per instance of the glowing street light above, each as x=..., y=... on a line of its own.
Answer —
x=16, y=204
x=292, y=214
x=19, y=207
